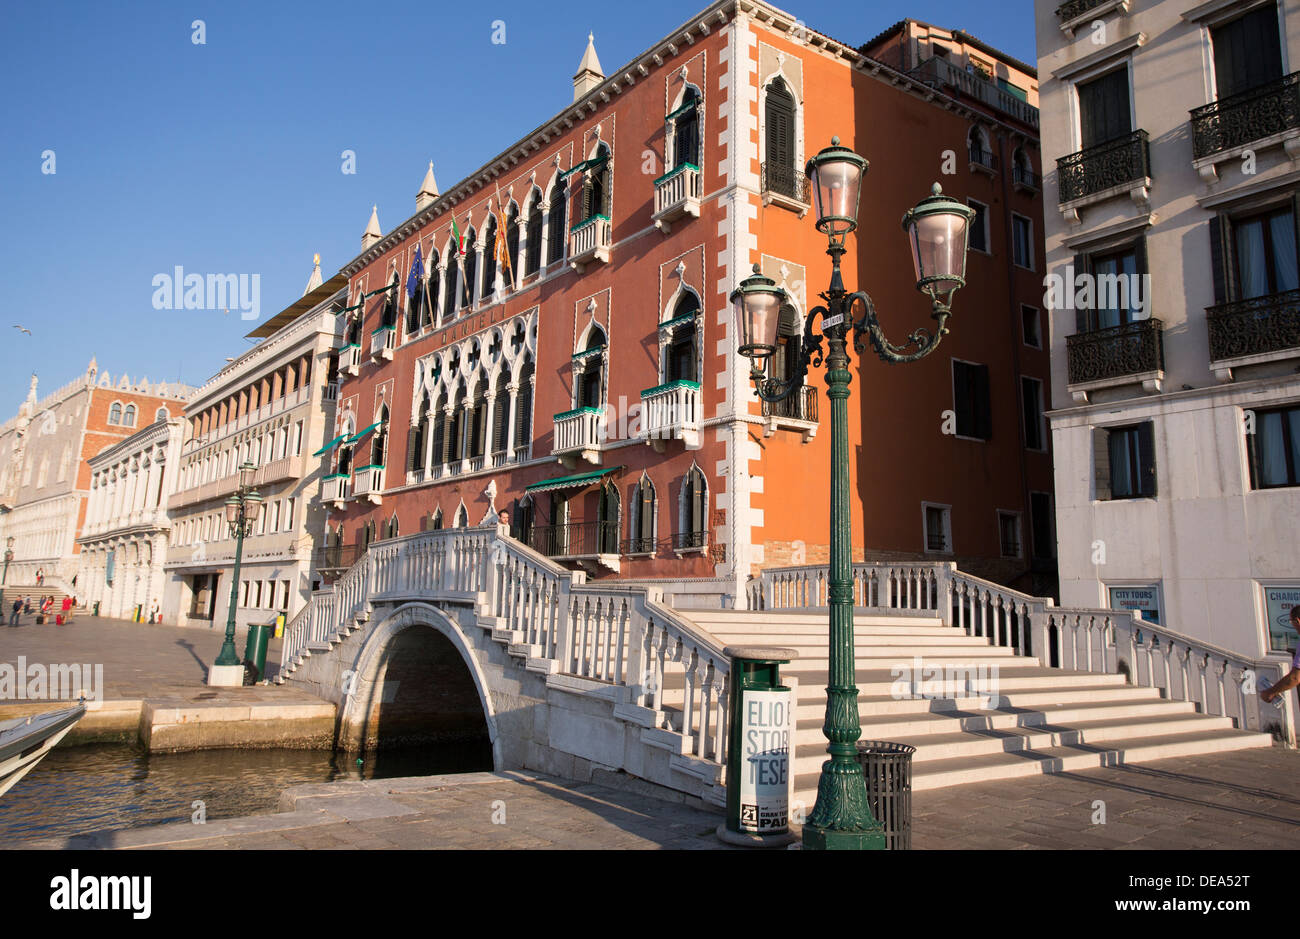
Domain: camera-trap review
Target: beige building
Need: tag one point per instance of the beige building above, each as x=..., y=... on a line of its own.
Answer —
x=1174, y=129
x=124, y=541
x=272, y=407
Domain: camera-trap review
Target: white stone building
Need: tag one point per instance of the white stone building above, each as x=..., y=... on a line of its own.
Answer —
x=270, y=406
x=1174, y=129
x=124, y=540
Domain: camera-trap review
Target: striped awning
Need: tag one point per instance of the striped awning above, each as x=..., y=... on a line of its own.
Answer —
x=363, y=433
x=571, y=482
x=331, y=445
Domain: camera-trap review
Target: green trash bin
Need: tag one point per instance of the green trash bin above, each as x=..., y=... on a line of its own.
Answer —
x=259, y=634
x=887, y=770
x=96, y=613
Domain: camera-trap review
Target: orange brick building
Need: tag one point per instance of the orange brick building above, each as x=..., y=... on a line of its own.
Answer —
x=598, y=397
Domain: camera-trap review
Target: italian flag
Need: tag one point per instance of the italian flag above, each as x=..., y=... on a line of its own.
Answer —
x=460, y=239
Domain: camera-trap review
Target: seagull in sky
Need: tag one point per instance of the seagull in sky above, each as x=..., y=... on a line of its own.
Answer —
x=22, y=329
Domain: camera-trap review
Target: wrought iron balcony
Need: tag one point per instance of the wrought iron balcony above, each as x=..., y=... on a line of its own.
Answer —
x=670, y=412
x=1244, y=118
x=337, y=557
x=797, y=412
x=576, y=539
x=1024, y=178
x=1120, y=162
x=639, y=546
x=786, y=186
x=1133, y=349
x=1073, y=9
x=677, y=194
x=939, y=73
x=1259, y=326
x=688, y=540
x=984, y=159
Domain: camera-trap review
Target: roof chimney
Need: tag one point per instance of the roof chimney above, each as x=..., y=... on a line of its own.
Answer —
x=589, y=74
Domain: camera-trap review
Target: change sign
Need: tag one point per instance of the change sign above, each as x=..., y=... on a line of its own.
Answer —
x=1278, y=600
x=765, y=761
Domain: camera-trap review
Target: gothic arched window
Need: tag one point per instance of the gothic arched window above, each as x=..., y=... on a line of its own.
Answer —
x=557, y=233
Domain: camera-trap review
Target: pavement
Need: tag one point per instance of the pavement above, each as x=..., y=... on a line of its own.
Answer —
x=1243, y=800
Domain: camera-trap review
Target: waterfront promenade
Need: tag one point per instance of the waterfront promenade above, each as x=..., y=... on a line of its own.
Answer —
x=154, y=687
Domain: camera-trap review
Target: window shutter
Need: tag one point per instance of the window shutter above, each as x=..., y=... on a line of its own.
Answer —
x=1147, y=445
x=645, y=518
x=1080, y=314
x=1295, y=221
x=1217, y=259
x=412, y=445
x=1252, y=457
x=983, y=404
x=961, y=393
x=1101, y=462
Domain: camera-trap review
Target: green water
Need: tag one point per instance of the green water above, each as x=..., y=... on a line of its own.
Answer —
x=82, y=789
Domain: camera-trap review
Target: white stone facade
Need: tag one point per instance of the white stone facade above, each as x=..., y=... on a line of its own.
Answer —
x=124, y=539
x=1205, y=544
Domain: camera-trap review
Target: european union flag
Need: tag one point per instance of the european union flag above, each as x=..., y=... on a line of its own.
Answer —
x=416, y=275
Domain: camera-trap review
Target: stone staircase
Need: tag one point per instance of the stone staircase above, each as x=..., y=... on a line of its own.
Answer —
x=997, y=715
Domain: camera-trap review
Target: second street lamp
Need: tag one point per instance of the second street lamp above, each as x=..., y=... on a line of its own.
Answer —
x=937, y=229
x=242, y=510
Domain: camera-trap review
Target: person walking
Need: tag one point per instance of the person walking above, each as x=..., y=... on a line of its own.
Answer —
x=40, y=576
x=1292, y=678
x=17, y=608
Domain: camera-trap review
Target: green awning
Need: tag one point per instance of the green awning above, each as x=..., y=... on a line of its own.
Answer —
x=571, y=482
x=593, y=163
x=331, y=445
x=358, y=437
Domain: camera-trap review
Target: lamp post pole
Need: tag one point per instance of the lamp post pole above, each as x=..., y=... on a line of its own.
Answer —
x=242, y=510
x=937, y=230
x=9, y=556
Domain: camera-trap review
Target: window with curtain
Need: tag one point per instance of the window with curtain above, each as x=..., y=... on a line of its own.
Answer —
x=1115, y=307
x=1274, y=449
x=1264, y=248
x=1125, y=461
x=1247, y=52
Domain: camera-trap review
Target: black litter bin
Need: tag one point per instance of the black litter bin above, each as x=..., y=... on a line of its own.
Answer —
x=887, y=768
x=255, y=647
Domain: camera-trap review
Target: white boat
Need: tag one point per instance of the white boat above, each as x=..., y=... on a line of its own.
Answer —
x=24, y=741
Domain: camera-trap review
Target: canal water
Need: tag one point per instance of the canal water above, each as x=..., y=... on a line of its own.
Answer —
x=78, y=790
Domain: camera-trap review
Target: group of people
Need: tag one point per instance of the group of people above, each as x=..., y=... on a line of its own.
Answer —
x=23, y=606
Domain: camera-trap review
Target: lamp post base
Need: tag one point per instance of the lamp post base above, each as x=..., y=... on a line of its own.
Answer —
x=828, y=839
x=226, y=676
x=746, y=840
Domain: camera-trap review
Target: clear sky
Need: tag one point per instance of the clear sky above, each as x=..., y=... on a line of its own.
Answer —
x=226, y=157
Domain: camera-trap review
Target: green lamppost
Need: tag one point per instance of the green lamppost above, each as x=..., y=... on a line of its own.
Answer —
x=242, y=510
x=937, y=230
x=9, y=556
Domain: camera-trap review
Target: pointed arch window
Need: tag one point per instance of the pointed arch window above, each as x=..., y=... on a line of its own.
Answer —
x=524, y=407
x=643, y=511
x=684, y=129
x=449, y=285
x=779, y=139
x=501, y=417
x=693, y=522
x=555, y=236
x=429, y=292
x=471, y=268
x=595, y=185
x=489, y=258
x=128, y=416
x=512, y=243
x=680, y=335
x=589, y=368
x=533, y=254
x=462, y=518
x=416, y=437
x=524, y=520
x=478, y=419
x=439, y=418
x=379, y=445
x=607, y=513
x=389, y=318
x=435, y=521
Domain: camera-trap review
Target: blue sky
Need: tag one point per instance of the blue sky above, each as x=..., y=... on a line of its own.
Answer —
x=225, y=157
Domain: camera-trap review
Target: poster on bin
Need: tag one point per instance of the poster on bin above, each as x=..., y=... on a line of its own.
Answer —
x=765, y=761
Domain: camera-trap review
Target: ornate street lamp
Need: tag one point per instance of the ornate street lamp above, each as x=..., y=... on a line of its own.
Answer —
x=937, y=230
x=242, y=510
x=9, y=556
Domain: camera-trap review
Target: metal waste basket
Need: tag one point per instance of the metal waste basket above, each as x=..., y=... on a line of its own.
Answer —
x=259, y=634
x=96, y=613
x=887, y=769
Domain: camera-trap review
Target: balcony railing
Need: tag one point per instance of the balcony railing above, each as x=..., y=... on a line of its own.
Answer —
x=579, y=429
x=984, y=158
x=786, y=181
x=335, y=488
x=1073, y=9
x=382, y=341
x=671, y=411
x=1132, y=349
x=686, y=540
x=350, y=358
x=337, y=557
x=1025, y=178
x=936, y=71
x=1118, y=162
x=500, y=457
x=589, y=240
x=1246, y=117
x=369, y=481
x=677, y=193
x=800, y=406
x=1257, y=326
x=575, y=539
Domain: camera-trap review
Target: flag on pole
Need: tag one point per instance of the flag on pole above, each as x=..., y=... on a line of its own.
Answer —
x=417, y=272
x=460, y=239
x=502, y=247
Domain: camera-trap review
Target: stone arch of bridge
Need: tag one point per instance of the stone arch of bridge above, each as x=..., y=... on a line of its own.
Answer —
x=366, y=680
